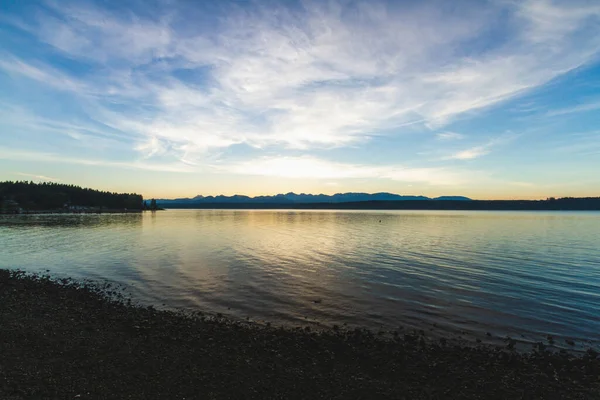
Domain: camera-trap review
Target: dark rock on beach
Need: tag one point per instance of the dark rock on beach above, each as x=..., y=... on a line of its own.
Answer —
x=61, y=339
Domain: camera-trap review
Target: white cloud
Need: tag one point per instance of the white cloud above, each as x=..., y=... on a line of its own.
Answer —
x=327, y=75
x=315, y=168
x=39, y=177
x=91, y=32
x=552, y=22
x=86, y=135
x=449, y=136
x=43, y=73
x=473, y=152
x=484, y=149
x=25, y=155
x=151, y=148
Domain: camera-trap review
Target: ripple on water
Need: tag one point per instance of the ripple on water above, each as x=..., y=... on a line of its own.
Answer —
x=513, y=273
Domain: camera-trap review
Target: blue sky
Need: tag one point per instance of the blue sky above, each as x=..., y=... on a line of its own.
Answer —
x=488, y=99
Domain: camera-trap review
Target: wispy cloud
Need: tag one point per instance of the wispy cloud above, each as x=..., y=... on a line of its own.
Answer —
x=484, y=149
x=94, y=135
x=315, y=168
x=42, y=73
x=38, y=177
x=449, y=136
x=473, y=152
x=592, y=106
x=318, y=76
x=25, y=155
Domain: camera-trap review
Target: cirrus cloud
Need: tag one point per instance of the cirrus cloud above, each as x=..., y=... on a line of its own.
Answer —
x=309, y=76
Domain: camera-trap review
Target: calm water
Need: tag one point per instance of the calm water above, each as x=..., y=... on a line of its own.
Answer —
x=509, y=273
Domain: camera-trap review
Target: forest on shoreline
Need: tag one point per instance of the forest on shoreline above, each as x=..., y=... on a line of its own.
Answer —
x=47, y=196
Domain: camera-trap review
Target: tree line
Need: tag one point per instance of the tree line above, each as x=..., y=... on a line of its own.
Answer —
x=52, y=196
x=550, y=204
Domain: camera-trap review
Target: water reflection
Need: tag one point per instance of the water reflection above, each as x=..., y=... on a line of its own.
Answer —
x=69, y=220
x=507, y=272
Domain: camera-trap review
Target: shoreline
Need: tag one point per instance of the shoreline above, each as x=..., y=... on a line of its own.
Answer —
x=69, y=339
x=71, y=212
x=564, y=204
x=68, y=212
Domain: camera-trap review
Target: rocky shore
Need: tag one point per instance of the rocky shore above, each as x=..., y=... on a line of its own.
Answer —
x=61, y=339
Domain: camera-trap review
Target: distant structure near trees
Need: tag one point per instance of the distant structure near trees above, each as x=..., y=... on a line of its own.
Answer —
x=29, y=196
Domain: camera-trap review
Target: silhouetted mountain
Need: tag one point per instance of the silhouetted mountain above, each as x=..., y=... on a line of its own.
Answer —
x=378, y=201
x=293, y=198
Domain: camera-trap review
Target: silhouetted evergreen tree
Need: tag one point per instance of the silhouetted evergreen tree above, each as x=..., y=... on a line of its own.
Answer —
x=52, y=196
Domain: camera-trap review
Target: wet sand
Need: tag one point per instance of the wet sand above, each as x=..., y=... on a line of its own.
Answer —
x=66, y=339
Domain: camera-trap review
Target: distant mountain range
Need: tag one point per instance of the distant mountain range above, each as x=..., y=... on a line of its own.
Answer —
x=302, y=198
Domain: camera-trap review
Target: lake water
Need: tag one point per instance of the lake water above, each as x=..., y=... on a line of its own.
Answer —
x=523, y=274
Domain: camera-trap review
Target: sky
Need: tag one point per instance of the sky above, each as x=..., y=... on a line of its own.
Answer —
x=486, y=99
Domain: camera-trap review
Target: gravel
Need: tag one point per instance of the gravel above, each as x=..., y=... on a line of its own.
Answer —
x=62, y=339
